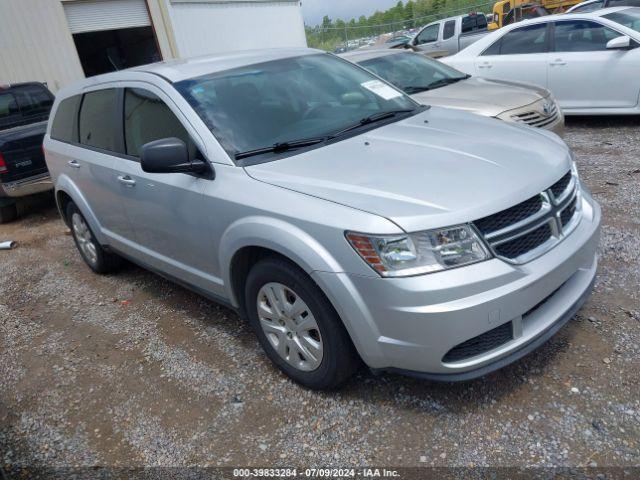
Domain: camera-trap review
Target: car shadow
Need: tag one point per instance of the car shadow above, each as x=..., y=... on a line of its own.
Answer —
x=605, y=121
x=410, y=393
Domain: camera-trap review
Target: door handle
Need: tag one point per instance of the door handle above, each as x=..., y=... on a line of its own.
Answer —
x=485, y=65
x=557, y=61
x=73, y=164
x=126, y=180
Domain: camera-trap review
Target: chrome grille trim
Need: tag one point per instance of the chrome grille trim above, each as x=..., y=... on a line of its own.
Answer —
x=535, y=118
x=550, y=214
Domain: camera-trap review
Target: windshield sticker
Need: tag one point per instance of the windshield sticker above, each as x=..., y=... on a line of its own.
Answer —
x=382, y=90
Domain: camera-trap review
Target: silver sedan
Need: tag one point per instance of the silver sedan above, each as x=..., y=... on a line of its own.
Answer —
x=431, y=82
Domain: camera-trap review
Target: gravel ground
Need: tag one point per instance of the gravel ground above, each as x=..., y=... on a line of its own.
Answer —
x=130, y=369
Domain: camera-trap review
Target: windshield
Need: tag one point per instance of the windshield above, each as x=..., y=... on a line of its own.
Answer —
x=630, y=18
x=282, y=102
x=412, y=72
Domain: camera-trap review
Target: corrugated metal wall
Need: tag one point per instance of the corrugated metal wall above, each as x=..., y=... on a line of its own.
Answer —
x=211, y=26
x=35, y=44
x=92, y=16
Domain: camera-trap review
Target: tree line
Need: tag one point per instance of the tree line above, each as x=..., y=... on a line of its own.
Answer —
x=403, y=16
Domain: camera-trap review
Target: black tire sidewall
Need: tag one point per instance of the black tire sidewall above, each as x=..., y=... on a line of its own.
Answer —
x=337, y=362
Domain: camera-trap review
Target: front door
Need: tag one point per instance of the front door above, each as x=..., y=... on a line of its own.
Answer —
x=519, y=55
x=584, y=74
x=166, y=211
x=427, y=39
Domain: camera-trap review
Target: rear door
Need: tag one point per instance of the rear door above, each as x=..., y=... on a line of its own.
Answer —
x=520, y=55
x=91, y=164
x=584, y=74
x=449, y=41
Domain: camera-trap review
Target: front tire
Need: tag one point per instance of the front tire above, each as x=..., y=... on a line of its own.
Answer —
x=297, y=326
x=93, y=254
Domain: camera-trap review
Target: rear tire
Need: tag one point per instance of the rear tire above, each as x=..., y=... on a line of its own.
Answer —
x=93, y=254
x=8, y=213
x=297, y=326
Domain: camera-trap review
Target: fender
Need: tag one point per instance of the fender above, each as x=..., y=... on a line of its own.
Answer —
x=315, y=260
x=276, y=235
x=65, y=184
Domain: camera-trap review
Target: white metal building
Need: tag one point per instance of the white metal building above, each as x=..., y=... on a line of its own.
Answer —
x=60, y=41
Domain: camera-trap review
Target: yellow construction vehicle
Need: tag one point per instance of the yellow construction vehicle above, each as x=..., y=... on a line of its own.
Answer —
x=506, y=12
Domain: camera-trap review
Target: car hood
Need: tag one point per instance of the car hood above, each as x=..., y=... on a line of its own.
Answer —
x=483, y=96
x=438, y=168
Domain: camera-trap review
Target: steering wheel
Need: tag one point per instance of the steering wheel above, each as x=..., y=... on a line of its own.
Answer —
x=316, y=108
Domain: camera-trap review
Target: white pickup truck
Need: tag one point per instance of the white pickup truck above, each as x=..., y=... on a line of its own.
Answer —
x=450, y=35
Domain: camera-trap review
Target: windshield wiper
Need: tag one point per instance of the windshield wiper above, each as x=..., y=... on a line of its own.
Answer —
x=282, y=147
x=443, y=82
x=437, y=84
x=372, y=119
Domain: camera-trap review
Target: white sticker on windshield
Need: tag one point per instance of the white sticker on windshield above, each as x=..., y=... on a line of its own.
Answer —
x=381, y=89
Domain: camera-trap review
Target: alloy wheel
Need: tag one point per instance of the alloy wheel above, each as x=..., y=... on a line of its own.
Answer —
x=290, y=326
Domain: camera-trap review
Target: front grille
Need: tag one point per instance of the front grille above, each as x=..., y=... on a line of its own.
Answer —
x=536, y=118
x=480, y=344
x=514, y=234
x=510, y=216
x=521, y=245
x=561, y=185
x=568, y=213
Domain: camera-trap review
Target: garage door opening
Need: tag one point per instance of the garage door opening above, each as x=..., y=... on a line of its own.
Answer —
x=111, y=50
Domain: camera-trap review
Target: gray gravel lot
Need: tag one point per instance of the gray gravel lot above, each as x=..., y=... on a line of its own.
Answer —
x=130, y=369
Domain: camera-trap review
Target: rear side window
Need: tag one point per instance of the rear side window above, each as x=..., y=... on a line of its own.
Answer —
x=64, y=126
x=523, y=40
x=98, y=119
x=148, y=118
x=449, y=29
x=9, y=112
x=34, y=100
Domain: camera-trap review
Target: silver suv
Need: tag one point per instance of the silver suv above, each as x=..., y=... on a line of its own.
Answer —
x=345, y=221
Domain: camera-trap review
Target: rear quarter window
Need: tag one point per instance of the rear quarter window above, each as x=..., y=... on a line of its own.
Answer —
x=97, y=121
x=65, y=122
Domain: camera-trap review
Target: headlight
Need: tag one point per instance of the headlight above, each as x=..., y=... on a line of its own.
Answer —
x=418, y=253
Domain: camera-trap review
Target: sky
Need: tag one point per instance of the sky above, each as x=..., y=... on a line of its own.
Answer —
x=314, y=10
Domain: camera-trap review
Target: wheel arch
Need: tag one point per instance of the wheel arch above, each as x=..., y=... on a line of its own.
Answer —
x=248, y=240
x=66, y=191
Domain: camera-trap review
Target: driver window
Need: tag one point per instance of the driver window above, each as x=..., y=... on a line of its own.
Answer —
x=429, y=34
x=148, y=118
x=582, y=36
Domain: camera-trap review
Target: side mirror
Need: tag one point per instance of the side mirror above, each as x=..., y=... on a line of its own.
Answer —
x=169, y=155
x=619, y=43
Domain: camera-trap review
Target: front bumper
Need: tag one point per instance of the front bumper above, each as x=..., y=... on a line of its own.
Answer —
x=410, y=324
x=29, y=186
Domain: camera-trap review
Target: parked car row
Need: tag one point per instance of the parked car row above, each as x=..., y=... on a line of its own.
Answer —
x=346, y=221
x=588, y=61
